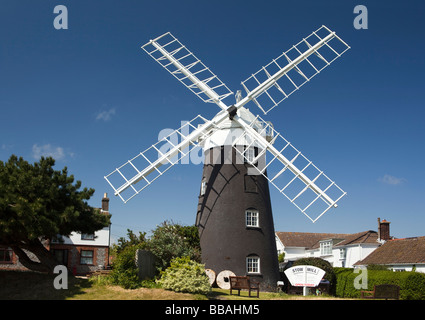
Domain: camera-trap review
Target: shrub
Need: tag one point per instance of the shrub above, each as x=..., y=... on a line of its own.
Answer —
x=185, y=275
x=412, y=284
x=344, y=278
x=124, y=270
x=171, y=240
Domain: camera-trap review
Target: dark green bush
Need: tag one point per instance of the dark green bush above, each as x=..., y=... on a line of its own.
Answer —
x=124, y=270
x=170, y=240
x=412, y=284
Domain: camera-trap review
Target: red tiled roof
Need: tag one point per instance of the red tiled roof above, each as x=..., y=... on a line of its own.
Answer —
x=312, y=240
x=408, y=250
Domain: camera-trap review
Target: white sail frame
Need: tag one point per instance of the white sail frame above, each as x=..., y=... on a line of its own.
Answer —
x=287, y=73
x=171, y=54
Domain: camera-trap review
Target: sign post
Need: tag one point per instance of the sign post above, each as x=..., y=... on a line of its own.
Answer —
x=304, y=276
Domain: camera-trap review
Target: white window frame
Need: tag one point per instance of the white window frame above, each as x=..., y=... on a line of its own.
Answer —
x=326, y=248
x=252, y=218
x=249, y=155
x=342, y=253
x=87, y=257
x=253, y=265
x=87, y=236
x=203, y=186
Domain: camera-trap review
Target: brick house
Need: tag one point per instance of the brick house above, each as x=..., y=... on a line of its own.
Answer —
x=81, y=253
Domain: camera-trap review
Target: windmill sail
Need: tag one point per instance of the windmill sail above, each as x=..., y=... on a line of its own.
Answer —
x=307, y=187
x=287, y=169
x=139, y=172
x=188, y=69
x=293, y=68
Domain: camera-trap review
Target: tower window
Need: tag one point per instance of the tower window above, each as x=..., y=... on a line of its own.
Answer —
x=251, y=217
x=203, y=186
x=253, y=264
x=249, y=155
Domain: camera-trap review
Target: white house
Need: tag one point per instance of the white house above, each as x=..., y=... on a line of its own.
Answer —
x=84, y=253
x=341, y=250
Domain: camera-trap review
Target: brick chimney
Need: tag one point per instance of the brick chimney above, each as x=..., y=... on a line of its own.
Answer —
x=383, y=230
x=105, y=203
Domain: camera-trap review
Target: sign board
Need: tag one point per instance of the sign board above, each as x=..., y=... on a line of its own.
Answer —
x=304, y=276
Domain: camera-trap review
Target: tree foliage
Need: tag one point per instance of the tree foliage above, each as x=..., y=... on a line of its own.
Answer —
x=37, y=203
x=133, y=240
x=170, y=240
x=167, y=242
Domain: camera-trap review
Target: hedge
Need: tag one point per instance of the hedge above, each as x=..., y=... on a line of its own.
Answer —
x=412, y=284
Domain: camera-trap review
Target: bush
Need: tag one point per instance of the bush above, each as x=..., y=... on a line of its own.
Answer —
x=185, y=275
x=171, y=240
x=124, y=270
x=344, y=278
x=412, y=284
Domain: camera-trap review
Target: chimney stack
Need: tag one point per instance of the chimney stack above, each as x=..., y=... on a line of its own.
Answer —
x=105, y=203
x=383, y=230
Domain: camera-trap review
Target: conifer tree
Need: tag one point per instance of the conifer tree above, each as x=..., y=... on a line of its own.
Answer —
x=37, y=203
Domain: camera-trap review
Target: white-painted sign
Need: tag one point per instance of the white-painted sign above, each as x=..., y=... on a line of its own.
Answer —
x=304, y=276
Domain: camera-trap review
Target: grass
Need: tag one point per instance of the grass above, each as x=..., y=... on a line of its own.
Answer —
x=35, y=286
x=15, y=285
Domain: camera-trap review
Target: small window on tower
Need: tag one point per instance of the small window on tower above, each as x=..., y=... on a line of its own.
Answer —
x=203, y=186
x=251, y=216
x=249, y=154
x=252, y=264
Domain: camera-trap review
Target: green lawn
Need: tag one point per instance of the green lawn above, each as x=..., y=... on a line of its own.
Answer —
x=36, y=286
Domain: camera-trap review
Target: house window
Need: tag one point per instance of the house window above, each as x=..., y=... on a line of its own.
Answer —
x=87, y=236
x=342, y=253
x=86, y=257
x=61, y=256
x=252, y=264
x=6, y=255
x=251, y=218
x=326, y=248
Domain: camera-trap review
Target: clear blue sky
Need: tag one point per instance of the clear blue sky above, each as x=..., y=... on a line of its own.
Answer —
x=92, y=98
